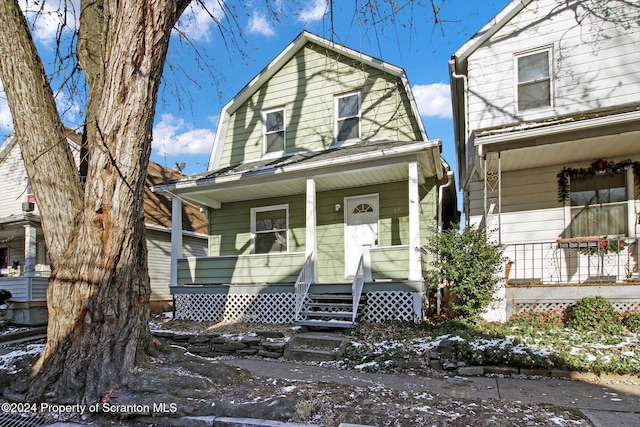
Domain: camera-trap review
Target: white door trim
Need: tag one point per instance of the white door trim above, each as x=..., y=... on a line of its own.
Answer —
x=349, y=257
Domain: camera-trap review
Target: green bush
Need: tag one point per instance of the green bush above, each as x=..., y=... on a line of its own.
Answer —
x=469, y=264
x=632, y=322
x=594, y=314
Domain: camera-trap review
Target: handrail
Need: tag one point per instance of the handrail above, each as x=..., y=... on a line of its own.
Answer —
x=302, y=285
x=356, y=287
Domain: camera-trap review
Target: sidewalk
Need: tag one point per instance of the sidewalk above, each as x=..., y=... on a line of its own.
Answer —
x=605, y=405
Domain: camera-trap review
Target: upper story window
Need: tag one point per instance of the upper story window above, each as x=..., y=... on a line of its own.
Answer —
x=534, y=80
x=270, y=229
x=274, y=131
x=348, y=115
x=599, y=205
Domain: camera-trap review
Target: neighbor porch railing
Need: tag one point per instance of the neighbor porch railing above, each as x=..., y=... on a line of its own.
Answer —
x=579, y=260
x=302, y=285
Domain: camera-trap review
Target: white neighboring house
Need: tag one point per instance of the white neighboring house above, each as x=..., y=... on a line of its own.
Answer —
x=546, y=101
x=24, y=262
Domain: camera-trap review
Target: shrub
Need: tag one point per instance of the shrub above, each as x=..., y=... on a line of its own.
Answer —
x=5, y=296
x=594, y=314
x=469, y=264
x=632, y=322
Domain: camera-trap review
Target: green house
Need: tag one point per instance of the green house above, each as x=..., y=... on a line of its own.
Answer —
x=321, y=192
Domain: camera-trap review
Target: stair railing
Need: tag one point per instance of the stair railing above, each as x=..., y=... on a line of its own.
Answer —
x=302, y=285
x=358, y=284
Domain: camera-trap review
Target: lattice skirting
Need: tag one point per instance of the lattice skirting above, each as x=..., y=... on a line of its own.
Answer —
x=280, y=307
x=260, y=308
x=382, y=306
x=561, y=306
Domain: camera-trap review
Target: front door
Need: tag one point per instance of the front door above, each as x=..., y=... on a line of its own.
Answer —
x=361, y=229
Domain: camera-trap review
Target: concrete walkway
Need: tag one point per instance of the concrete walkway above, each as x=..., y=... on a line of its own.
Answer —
x=605, y=405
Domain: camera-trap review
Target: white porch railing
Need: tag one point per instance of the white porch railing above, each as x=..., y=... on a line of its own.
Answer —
x=302, y=285
x=581, y=260
x=357, y=285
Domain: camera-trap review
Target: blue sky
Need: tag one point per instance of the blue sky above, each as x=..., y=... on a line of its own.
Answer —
x=204, y=72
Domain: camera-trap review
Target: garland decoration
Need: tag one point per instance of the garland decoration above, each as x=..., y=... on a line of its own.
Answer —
x=599, y=166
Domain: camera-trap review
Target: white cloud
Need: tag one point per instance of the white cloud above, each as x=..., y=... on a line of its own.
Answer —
x=314, y=11
x=258, y=24
x=196, y=22
x=433, y=100
x=172, y=136
x=6, y=122
x=46, y=17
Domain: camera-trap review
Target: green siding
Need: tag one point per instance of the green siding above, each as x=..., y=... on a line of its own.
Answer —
x=230, y=230
x=230, y=227
x=306, y=87
x=263, y=268
x=390, y=263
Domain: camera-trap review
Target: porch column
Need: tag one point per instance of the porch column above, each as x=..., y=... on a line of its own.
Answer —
x=493, y=196
x=311, y=234
x=415, y=248
x=176, y=239
x=29, y=250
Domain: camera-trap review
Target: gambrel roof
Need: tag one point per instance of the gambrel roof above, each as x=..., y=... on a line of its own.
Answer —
x=280, y=61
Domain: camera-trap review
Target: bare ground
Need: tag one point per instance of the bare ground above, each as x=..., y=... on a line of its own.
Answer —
x=187, y=385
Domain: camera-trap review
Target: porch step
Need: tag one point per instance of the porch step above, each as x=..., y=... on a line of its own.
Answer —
x=313, y=346
x=328, y=310
x=327, y=313
x=330, y=297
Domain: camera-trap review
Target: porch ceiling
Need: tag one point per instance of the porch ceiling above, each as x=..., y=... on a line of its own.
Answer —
x=542, y=152
x=279, y=185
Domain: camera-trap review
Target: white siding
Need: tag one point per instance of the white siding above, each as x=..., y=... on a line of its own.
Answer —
x=13, y=184
x=594, y=64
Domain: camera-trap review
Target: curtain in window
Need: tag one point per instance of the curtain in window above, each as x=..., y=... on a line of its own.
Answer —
x=598, y=205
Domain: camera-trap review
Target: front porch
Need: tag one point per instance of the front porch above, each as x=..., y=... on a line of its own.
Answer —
x=271, y=288
x=544, y=276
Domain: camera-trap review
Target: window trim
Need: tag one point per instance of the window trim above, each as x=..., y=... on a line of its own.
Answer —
x=550, y=50
x=253, y=225
x=337, y=119
x=266, y=153
x=629, y=197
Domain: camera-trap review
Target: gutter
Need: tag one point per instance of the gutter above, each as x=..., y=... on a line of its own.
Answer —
x=356, y=158
x=578, y=125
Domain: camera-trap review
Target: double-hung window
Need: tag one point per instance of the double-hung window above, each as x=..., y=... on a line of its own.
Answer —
x=348, y=115
x=274, y=131
x=534, y=79
x=270, y=229
x=599, y=205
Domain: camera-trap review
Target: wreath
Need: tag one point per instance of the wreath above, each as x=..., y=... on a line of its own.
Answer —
x=599, y=166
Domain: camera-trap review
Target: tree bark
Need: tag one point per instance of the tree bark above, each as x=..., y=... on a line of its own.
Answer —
x=99, y=288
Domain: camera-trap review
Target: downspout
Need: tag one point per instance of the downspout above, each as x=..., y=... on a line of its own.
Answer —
x=440, y=202
x=465, y=100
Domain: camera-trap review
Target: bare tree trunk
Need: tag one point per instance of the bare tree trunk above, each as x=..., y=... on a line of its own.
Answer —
x=99, y=290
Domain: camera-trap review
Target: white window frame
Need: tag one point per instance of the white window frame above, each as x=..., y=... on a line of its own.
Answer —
x=629, y=179
x=337, y=119
x=265, y=132
x=517, y=83
x=253, y=224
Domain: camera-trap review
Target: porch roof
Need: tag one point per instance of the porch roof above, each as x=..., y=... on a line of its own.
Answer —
x=585, y=136
x=365, y=163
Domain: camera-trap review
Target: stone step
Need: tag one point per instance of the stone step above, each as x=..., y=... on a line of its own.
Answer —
x=314, y=346
x=310, y=355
